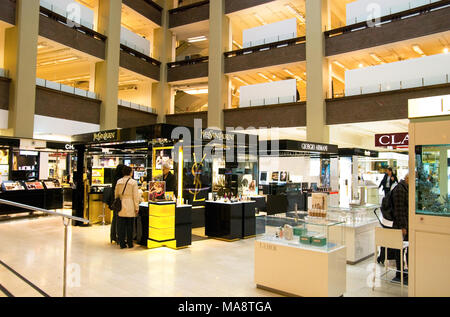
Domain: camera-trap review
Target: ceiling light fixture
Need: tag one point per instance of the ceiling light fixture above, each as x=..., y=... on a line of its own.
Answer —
x=377, y=58
x=265, y=77
x=241, y=80
x=69, y=59
x=340, y=65
x=237, y=44
x=416, y=48
x=446, y=50
x=295, y=12
x=261, y=20
x=200, y=91
x=289, y=72
x=197, y=39
x=131, y=81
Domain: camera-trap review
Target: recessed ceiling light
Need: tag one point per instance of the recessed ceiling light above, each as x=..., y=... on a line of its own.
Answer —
x=237, y=44
x=446, y=50
x=361, y=65
x=289, y=72
x=265, y=77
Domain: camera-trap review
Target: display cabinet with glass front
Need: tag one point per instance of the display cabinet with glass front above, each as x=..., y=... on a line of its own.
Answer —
x=313, y=233
x=433, y=180
x=353, y=216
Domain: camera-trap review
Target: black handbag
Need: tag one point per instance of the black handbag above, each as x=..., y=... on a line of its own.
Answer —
x=117, y=203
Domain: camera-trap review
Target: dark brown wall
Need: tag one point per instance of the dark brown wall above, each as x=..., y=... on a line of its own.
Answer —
x=145, y=9
x=187, y=72
x=378, y=107
x=282, y=116
x=4, y=93
x=400, y=30
x=237, y=5
x=65, y=35
x=187, y=119
x=57, y=104
x=8, y=11
x=188, y=16
x=277, y=56
x=139, y=66
x=129, y=118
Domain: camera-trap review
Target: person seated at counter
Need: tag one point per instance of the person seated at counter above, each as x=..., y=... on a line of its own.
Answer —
x=127, y=190
x=169, y=178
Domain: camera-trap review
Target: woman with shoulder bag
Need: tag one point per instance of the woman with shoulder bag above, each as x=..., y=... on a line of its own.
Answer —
x=128, y=193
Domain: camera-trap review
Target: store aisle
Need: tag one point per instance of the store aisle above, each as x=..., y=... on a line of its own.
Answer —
x=34, y=248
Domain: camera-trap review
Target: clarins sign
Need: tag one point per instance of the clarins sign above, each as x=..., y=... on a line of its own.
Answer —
x=392, y=139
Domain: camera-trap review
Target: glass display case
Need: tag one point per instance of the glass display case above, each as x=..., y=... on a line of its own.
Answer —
x=304, y=233
x=433, y=180
x=353, y=216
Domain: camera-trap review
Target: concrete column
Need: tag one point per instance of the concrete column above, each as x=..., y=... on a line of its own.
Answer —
x=107, y=72
x=163, y=51
x=20, y=59
x=219, y=42
x=318, y=70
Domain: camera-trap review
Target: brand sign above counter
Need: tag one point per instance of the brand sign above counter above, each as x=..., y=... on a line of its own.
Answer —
x=392, y=140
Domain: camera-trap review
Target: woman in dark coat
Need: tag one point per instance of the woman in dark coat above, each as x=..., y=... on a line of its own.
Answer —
x=118, y=174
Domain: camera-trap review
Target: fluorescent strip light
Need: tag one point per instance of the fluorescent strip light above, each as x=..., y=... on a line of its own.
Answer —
x=289, y=72
x=241, y=80
x=340, y=65
x=69, y=59
x=132, y=81
x=295, y=12
x=265, y=77
x=261, y=20
x=237, y=44
x=377, y=58
x=47, y=63
x=197, y=39
x=416, y=48
x=197, y=91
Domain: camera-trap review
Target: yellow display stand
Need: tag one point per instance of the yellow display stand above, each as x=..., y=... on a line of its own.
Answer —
x=161, y=231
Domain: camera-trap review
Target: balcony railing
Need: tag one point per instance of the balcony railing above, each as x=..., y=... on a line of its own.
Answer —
x=396, y=85
x=62, y=12
x=189, y=6
x=390, y=18
x=267, y=46
x=65, y=88
x=140, y=55
x=193, y=61
x=267, y=101
x=66, y=21
x=136, y=106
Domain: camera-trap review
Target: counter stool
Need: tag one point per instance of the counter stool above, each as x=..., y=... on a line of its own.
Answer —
x=392, y=239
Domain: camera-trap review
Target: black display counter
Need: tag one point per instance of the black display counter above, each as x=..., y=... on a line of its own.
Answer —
x=230, y=221
x=49, y=199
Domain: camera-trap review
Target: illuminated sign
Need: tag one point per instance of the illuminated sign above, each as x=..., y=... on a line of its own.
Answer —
x=429, y=107
x=216, y=135
x=314, y=147
x=104, y=136
x=392, y=139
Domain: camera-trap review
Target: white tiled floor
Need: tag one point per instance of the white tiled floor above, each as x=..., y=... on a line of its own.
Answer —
x=34, y=248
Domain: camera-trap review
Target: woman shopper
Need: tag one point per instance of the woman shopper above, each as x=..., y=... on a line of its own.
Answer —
x=127, y=190
x=118, y=174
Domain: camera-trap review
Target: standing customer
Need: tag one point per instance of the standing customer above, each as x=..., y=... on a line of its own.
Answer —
x=389, y=179
x=127, y=190
x=118, y=174
x=400, y=199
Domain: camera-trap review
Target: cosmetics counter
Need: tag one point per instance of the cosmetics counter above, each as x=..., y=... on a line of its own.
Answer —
x=40, y=194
